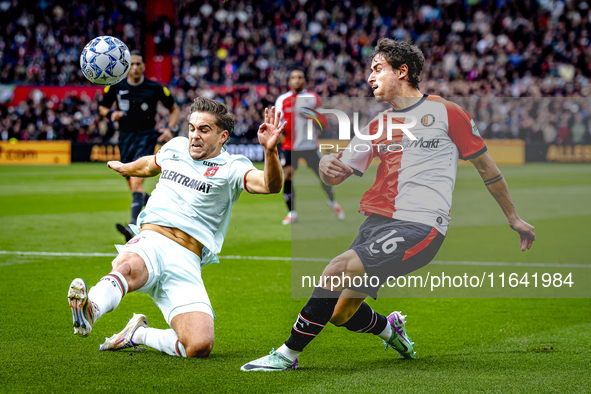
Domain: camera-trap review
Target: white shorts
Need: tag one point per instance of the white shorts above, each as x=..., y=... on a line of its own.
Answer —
x=174, y=280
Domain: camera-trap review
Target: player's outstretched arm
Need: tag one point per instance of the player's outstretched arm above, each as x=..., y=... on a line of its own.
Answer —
x=497, y=187
x=142, y=168
x=271, y=179
x=332, y=170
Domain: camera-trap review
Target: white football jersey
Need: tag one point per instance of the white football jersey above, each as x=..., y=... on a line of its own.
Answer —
x=196, y=196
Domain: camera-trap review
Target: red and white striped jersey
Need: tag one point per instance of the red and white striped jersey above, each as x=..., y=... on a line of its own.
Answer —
x=296, y=134
x=416, y=184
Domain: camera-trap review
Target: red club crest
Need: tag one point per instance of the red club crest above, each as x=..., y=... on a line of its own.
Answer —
x=211, y=171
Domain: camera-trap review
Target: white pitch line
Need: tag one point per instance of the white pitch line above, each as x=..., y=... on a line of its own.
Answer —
x=72, y=254
x=276, y=258
x=313, y=259
x=501, y=264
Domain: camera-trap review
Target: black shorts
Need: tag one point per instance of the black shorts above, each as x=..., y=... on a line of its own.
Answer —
x=390, y=248
x=132, y=146
x=290, y=158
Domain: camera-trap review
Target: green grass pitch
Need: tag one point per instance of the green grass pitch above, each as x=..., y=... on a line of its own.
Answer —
x=463, y=345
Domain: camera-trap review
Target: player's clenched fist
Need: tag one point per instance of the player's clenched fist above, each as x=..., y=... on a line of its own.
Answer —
x=332, y=166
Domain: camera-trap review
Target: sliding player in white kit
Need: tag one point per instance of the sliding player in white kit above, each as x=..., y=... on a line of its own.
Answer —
x=408, y=205
x=181, y=230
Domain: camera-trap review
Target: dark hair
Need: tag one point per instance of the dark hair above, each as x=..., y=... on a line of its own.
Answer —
x=223, y=119
x=135, y=52
x=398, y=53
x=300, y=70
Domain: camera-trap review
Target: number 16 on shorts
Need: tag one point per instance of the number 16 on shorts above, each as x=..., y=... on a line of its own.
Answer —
x=387, y=244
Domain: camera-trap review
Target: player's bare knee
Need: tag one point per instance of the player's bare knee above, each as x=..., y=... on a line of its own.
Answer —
x=346, y=264
x=133, y=269
x=124, y=265
x=198, y=348
x=124, y=269
x=336, y=267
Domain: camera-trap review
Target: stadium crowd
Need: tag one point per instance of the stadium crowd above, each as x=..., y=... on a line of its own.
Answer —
x=474, y=48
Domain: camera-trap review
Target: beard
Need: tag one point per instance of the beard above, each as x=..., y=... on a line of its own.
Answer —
x=205, y=152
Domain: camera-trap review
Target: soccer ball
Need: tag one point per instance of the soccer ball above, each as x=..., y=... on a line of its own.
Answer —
x=105, y=61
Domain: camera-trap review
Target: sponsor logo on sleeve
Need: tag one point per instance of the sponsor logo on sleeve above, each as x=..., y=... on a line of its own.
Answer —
x=474, y=128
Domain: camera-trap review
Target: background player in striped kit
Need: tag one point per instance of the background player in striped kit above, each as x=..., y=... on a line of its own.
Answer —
x=296, y=145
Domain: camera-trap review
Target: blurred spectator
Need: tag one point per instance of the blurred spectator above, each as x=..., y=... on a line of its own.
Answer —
x=578, y=129
x=472, y=49
x=73, y=118
x=563, y=130
x=41, y=42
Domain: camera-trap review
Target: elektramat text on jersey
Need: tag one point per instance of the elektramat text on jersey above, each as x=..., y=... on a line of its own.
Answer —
x=195, y=184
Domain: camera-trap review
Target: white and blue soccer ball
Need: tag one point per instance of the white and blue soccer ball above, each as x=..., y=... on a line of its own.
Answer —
x=105, y=61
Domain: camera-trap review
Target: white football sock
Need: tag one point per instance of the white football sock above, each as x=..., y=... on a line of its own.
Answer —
x=387, y=333
x=165, y=341
x=139, y=336
x=107, y=293
x=293, y=214
x=289, y=354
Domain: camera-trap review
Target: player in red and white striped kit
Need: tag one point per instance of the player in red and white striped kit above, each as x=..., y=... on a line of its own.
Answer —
x=296, y=145
x=408, y=205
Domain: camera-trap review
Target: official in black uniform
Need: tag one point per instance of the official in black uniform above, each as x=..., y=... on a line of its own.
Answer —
x=136, y=99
